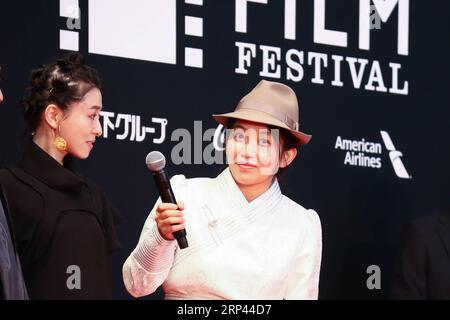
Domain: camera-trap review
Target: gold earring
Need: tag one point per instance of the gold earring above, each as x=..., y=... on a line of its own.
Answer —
x=60, y=143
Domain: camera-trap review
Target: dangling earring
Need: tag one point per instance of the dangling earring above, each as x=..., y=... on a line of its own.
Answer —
x=59, y=142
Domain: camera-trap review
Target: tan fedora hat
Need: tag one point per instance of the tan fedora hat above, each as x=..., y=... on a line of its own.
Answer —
x=271, y=103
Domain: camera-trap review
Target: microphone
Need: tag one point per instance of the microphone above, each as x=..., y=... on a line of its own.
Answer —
x=156, y=162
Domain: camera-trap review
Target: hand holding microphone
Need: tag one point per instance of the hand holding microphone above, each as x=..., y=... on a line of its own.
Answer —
x=169, y=217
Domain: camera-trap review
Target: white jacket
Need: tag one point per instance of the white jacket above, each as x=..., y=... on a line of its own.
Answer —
x=269, y=248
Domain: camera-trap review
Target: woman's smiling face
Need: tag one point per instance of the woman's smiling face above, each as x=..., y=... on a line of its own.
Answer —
x=253, y=152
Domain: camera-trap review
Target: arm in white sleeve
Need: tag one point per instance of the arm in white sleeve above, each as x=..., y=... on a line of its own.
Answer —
x=304, y=278
x=149, y=264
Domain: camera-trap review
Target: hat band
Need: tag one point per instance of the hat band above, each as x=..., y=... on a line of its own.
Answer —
x=281, y=116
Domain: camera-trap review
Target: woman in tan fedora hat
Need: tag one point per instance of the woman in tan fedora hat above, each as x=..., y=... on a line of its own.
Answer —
x=246, y=239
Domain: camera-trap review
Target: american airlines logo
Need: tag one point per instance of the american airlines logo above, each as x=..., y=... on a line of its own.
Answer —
x=363, y=153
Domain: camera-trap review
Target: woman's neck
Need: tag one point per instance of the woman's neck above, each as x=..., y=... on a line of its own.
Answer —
x=45, y=142
x=251, y=192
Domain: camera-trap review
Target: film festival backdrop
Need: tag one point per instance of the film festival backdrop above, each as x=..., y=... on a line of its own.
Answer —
x=372, y=79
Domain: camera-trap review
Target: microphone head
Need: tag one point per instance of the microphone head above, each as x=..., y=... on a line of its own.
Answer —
x=155, y=161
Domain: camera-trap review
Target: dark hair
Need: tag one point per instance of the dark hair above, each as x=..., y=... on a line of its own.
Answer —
x=62, y=82
x=287, y=141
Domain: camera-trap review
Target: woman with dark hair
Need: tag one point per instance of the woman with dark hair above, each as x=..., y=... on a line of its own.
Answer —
x=63, y=223
x=246, y=239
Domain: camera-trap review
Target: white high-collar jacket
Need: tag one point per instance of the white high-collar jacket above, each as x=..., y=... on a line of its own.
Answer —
x=269, y=248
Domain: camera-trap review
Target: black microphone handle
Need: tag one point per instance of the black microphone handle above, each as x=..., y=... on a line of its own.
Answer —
x=167, y=196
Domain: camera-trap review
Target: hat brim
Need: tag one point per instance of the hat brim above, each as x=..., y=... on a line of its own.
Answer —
x=261, y=117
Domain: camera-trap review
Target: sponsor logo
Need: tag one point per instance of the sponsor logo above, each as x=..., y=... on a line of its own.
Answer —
x=368, y=154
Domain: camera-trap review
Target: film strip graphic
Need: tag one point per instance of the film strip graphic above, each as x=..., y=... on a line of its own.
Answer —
x=135, y=29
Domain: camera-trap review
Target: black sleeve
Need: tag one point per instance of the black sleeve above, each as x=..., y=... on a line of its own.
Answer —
x=409, y=276
x=111, y=218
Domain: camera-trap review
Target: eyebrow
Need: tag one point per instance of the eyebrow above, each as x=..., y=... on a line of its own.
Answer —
x=96, y=107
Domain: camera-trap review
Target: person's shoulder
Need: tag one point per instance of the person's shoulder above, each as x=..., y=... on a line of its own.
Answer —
x=90, y=183
x=13, y=175
x=180, y=179
x=427, y=224
x=189, y=189
x=17, y=185
x=296, y=207
x=5, y=172
x=296, y=210
x=95, y=188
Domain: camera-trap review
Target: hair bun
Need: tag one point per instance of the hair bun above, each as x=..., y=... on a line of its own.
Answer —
x=75, y=58
x=70, y=62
